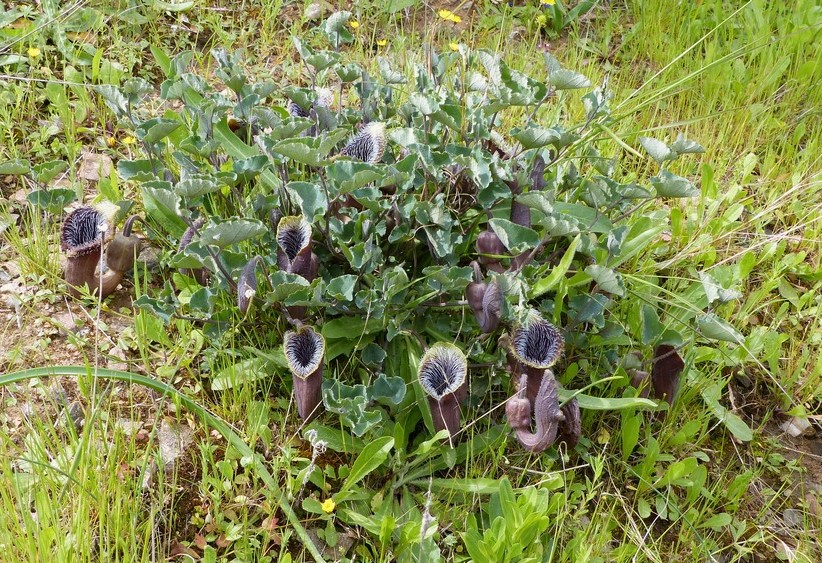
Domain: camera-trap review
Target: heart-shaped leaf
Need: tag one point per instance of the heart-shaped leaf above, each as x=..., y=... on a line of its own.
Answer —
x=232, y=232
x=516, y=238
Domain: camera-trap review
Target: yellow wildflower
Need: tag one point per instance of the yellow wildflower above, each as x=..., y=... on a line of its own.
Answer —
x=542, y=19
x=129, y=140
x=33, y=52
x=450, y=16
x=328, y=505
x=382, y=42
x=454, y=46
x=354, y=24
x=111, y=141
x=547, y=2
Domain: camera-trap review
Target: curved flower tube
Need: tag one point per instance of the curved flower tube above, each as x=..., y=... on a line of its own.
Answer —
x=485, y=299
x=199, y=274
x=570, y=426
x=247, y=284
x=534, y=346
x=442, y=374
x=546, y=414
x=490, y=248
x=305, y=352
x=81, y=238
x=664, y=378
x=294, y=254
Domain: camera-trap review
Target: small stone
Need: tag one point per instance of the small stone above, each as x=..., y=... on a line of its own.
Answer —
x=19, y=196
x=129, y=427
x=173, y=439
x=316, y=10
x=93, y=166
x=65, y=322
x=118, y=361
x=797, y=426
x=793, y=517
x=12, y=268
x=813, y=505
x=150, y=257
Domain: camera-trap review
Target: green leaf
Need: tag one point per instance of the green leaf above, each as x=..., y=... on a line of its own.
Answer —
x=607, y=279
x=388, y=389
x=156, y=129
x=658, y=150
x=301, y=150
x=715, y=292
x=534, y=136
x=321, y=60
x=389, y=75
x=348, y=73
x=563, y=79
x=516, y=238
x=232, y=232
x=546, y=284
x=173, y=6
x=717, y=522
x=342, y=287
x=53, y=200
x=114, y=99
x=311, y=199
x=478, y=486
x=651, y=327
x=15, y=167
x=372, y=456
x=249, y=168
x=350, y=328
x=668, y=184
x=162, y=59
x=734, y=424
x=47, y=171
x=163, y=206
x=714, y=328
x=138, y=170
x=284, y=284
x=395, y=6
x=336, y=22
x=135, y=88
x=349, y=175
x=426, y=105
x=590, y=219
x=686, y=146
x=589, y=402
x=243, y=372
x=195, y=187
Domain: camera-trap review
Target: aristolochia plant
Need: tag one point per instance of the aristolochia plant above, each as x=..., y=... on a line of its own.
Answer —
x=391, y=213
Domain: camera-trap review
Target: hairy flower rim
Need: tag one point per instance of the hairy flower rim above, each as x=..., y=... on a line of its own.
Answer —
x=304, y=351
x=442, y=370
x=293, y=235
x=82, y=231
x=537, y=343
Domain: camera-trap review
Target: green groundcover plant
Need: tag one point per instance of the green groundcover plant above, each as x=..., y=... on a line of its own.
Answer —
x=367, y=218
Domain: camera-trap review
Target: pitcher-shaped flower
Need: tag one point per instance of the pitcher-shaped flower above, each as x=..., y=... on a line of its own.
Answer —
x=294, y=253
x=81, y=238
x=368, y=145
x=534, y=346
x=305, y=353
x=442, y=373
